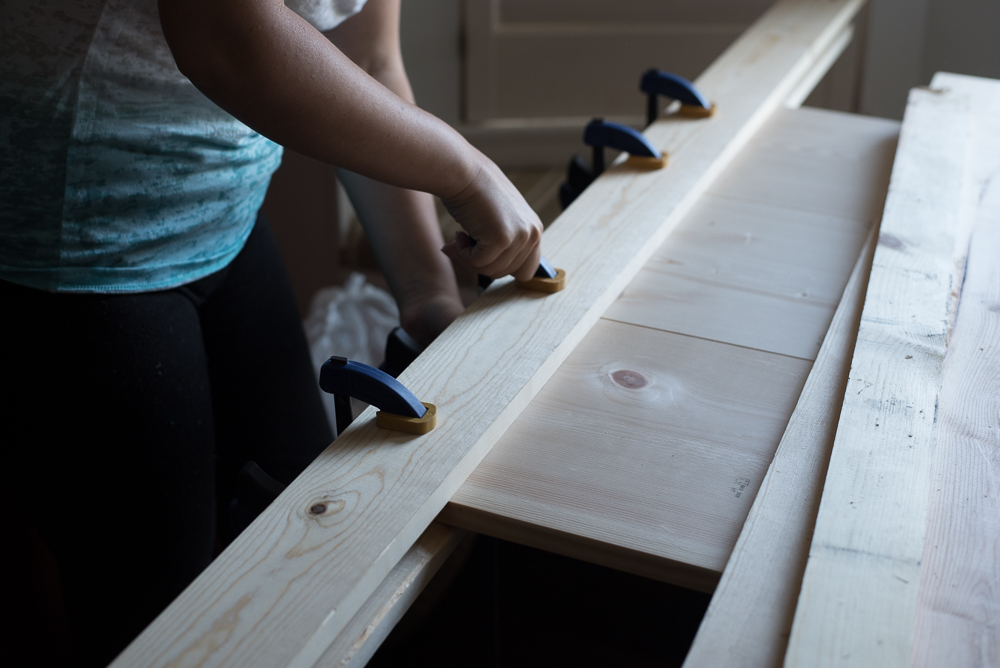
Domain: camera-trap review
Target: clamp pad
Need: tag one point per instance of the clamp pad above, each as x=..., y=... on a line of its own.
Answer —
x=410, y=425
x=643, y=162
x=695, y=111
x=544, y=284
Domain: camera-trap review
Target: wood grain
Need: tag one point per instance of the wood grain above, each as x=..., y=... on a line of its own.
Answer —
x=958, y=614
x=646, y=440
x=359, y=640
x=750, y=616
x=858, y=149
x=627, y=481
x=285, y=589
x=858, y=600
x=762, y=260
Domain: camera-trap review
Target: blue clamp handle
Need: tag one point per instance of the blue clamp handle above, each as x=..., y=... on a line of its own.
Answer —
x=340, y=376
x=601, y=133
x=657, y=82
x=545, y=270
x=345, y=379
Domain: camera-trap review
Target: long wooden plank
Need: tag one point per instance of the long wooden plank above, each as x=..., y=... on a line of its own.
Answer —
x=774, y=239
x=651, y=469
x=283, y=591
x=958, y=614
x=359, y=640
x=764, y=573
x=858, y=600
x=647, y=440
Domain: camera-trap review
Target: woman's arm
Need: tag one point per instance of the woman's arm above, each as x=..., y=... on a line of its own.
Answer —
x=401, y=224
x=265, y=65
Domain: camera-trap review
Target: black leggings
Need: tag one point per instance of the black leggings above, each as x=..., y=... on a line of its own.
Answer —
x=125, y=418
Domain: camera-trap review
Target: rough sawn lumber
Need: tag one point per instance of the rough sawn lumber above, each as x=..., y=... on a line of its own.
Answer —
x=958, y=610
x=764, y=573
x=283, y=591
x=858, y=600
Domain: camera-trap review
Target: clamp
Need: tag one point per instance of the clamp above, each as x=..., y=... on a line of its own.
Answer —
x=401, y=350
x=657, y=82
x=600, y=134
x=399, y=409
x=546, y=279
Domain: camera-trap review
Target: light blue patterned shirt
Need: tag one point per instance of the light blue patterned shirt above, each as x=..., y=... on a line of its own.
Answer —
x=116, y=173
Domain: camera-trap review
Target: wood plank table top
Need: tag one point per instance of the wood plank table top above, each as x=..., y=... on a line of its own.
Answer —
x=644, y=451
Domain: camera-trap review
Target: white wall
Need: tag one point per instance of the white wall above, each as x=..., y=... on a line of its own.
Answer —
x=907, y=41
x=910, y=40
x=963, y=36
x=430, y=34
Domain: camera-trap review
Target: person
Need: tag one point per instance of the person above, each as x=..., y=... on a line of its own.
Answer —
x=152, y=343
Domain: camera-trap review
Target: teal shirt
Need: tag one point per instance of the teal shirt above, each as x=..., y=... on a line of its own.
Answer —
x=116, y=173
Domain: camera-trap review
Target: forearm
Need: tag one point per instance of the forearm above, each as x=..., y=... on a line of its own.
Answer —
x=401, y=224
x=403, y=229
x=272, y=70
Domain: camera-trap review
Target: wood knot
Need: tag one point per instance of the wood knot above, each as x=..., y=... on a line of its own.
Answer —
x=889, y=241
x=317, y=509
x=632, y=380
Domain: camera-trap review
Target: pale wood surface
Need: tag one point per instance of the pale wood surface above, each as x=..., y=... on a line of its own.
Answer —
x=669, y=469
x=762, y=260
x=750, y=616
x=664, y=462
x=958, y=614
x=283, y=591
x=857, y=605
x=359, y=640
x=832, y=55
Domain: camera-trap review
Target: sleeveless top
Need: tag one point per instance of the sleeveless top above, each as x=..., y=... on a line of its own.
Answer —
x=116, y=173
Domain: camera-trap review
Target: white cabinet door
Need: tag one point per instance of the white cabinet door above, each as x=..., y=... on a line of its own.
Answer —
x=558, y=58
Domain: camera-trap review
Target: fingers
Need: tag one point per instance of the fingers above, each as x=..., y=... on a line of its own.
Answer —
x=502, y=233
x=530, y=265
x=518, y=259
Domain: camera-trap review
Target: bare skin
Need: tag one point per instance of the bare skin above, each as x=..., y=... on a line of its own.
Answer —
x=352, y=107
x=420, y=276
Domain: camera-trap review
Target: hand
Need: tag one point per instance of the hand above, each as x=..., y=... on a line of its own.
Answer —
x=504, y=234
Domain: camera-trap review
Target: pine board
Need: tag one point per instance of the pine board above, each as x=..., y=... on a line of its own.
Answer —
x=284, y=590
x=958, y=613
x=764, y=573
x=858, y=600
x=844, y=144
x=624, y=476
x=359, y=640
x=666, y=466
x=762, y=260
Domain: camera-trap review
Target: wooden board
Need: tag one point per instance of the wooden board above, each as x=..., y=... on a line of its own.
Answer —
x=958, y=613
x=285, y=589
x=637, y=442
x=623, y=475
x=858, y=600
x=750, y=616
x=359, y=640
